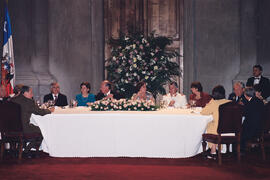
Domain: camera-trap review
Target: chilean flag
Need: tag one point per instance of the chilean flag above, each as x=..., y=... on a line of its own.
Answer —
x=7, y=63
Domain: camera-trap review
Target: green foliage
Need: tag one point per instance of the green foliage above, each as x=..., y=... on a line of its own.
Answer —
x=136, y=58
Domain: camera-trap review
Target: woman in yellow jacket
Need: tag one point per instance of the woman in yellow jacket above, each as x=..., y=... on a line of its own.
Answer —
x=218, y=95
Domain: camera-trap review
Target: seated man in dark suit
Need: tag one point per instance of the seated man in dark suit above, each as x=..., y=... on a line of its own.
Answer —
x=28, y=106
x=253, y=113
x=106, y=92
x=263, y=82
x=238, y=93
x=60, y=99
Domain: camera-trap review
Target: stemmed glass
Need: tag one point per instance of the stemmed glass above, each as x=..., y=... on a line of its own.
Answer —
x=38, y=103
x=51, y=103
x=192, y=104
x=73, y=103
x=162, y=104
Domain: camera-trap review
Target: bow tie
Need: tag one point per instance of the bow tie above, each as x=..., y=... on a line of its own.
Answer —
x=257, y=78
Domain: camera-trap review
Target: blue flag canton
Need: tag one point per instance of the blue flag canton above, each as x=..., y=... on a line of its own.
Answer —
x=7, y=27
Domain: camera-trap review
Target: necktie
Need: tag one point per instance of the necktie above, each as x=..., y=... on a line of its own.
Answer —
x=55, y=98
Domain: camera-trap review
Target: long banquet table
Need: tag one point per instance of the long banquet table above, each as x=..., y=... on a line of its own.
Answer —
x=79, y=132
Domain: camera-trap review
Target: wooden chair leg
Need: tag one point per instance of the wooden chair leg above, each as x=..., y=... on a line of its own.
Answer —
x=262, y=149
x=238, y=152
x=20, y=146
x=219, y=154
x=227, y=148
x=2, y=150
x=204, y=147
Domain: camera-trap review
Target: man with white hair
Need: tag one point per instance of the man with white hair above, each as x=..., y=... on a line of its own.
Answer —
x=56, y=96
x=238, y=93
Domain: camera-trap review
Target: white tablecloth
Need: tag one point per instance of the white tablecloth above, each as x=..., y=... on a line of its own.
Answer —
x=79, y=132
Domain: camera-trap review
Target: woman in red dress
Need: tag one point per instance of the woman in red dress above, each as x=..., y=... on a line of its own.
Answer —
x=198, y=98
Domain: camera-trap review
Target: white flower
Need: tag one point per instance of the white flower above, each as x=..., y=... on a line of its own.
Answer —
x=119, y=70
x=135, y=65
x=143, y=72
x=114, y=58
x=152, y=54
x=146, y=77
x=134, y=46
x=126, y=38
x=134, y=59
x=155, y=67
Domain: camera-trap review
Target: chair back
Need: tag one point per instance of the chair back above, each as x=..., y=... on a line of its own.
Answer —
x=266, y=122
x=230, y=118
x=10, y=120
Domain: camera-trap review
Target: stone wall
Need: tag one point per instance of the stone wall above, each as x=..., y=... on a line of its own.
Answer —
x=63, y=40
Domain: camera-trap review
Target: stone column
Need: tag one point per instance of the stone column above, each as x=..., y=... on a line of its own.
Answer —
x=248, y=42
x=40, y=42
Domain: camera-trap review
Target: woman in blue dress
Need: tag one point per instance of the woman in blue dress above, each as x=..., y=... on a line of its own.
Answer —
x=85, y=98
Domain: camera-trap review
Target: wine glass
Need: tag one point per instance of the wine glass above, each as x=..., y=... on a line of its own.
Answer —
x=162, y=104
x=51, y=103
x=192, y=104
x=38, y=103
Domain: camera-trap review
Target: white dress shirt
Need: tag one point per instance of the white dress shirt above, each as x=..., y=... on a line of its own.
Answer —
x=257, y=80
x=180, y=100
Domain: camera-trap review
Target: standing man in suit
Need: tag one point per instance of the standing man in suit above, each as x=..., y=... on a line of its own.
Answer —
x=238, y=93
x=263, y=82
x=60, y=99
x=28, y=106
x=253, y=113
x=106, y=91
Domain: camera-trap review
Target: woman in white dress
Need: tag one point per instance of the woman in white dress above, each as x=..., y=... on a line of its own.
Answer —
x=173, y=98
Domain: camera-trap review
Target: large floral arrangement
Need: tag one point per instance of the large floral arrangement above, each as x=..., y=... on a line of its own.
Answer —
x=122, y=105
x=136, y=58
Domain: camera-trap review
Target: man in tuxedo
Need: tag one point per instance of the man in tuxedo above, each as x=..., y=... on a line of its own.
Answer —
x=253, y=113
x=60, y=99
x=238, y=93
x=263, y=82
x=28, y=106
x=106, y=91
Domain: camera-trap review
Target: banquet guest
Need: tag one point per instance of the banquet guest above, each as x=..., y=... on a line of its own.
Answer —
x=55, y=95
x=254, y=113
x=212, y=108
x=107, y=92
x=238, y=93
x=28, y=106
x=258, y=93
x=201, y=98
x=141, y=93
x=263, y=82
x=173, y=98
x=85, y=97
x=17, y=90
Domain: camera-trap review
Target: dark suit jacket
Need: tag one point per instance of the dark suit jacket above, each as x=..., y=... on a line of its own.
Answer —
x=242, y=98
x=254, y=112
x=116, y=95
x=264, y=84
x=61, y=100
x=28, y=106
